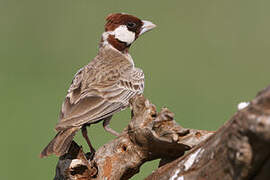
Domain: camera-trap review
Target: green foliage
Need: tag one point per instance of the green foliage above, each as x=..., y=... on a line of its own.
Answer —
x=202, y=59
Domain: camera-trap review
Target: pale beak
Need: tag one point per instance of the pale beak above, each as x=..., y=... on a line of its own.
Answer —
x=147, y=26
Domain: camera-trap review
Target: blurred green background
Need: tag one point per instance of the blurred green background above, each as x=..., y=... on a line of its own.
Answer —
x=202, y=59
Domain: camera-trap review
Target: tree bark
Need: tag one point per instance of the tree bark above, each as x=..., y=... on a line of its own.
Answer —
x=240, y=149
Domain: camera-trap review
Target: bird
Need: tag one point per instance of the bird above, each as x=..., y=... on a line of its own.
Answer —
x=104, y=86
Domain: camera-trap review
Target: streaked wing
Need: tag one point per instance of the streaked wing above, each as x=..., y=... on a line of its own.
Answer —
x=89, y=101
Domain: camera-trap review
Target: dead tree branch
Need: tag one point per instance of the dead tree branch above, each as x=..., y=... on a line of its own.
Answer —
x=238, y=150
x=149, y=135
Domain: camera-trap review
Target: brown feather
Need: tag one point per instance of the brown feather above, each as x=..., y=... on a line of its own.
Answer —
x=112, y=83
x=101, y=88
x=59, y=145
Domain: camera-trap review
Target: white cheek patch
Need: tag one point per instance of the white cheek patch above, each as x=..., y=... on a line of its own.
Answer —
x=105, y=38
x=123, y=34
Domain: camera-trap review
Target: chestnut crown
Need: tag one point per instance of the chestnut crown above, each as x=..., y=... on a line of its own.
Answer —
x=121, y=30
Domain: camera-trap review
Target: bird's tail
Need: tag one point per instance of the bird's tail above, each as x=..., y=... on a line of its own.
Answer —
x=60, y=143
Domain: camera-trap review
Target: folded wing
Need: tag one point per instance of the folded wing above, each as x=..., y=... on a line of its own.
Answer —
x=95, y=94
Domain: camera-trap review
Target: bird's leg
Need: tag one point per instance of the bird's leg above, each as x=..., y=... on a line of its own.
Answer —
x=106, y=123
x=84, y=133
x=132, y=113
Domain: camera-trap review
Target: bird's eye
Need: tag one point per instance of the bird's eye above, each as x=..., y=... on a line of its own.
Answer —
x=131, y=25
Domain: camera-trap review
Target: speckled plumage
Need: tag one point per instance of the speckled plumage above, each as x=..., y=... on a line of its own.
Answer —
x=101, y=88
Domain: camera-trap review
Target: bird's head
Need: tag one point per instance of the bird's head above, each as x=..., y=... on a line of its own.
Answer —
x=121, y=30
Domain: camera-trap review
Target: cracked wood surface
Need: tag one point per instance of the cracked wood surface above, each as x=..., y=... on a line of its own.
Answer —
x=240, y=149
x=149, y=135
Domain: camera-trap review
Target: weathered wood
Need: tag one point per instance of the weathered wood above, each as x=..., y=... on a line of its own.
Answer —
x=238, y=150
x=149, y=135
